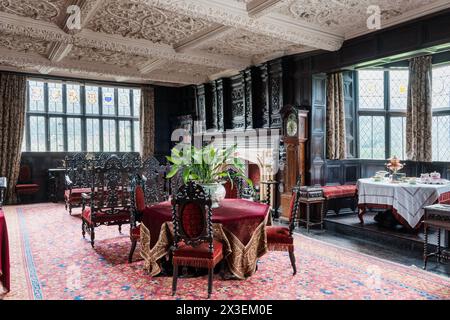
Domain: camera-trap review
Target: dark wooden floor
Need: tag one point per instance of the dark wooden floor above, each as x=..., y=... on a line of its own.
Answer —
x=398, y=245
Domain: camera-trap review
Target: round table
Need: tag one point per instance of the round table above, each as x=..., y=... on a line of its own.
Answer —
x=239, y=224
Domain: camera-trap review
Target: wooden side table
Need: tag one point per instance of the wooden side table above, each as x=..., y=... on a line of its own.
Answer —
x=308, y=202
x=436, y=216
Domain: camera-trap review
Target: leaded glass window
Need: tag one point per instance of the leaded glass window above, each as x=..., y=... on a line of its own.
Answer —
x=68, y=116
x=55, y=97
x=441, y=87
x=109, y=135
x=74, y=134
x=73, y=98
x=37, y=133
x=398, y=137
x=56, y=132
x=372, y=137
x=398, y=88
x=371, y=89
x=125, y=136
x=91, y=97
x=441, y=138
x=108, y=101
x=124, y=102
x=93, y=135
x=36, y=96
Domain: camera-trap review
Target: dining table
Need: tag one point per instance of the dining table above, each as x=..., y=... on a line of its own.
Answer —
x=4, y=255
x=406, y=200
x=239, y=224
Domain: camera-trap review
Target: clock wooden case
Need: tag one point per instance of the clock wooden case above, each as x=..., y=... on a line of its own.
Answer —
x=295, y=137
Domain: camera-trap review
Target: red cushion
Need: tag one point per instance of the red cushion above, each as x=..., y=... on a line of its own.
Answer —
x=192, y=219
x=291, y=205
x=346, y=191
x=76, y=193
x=279, y=235
x=231, y=193
x=201, y=251
x=135, y=233
x=139, y=198
x=123, y=215
x=27, y=188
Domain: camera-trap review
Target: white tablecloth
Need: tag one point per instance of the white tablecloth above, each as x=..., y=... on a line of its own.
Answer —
x=408, y=200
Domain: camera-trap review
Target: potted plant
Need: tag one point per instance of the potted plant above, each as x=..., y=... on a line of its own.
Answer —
x=208, y=167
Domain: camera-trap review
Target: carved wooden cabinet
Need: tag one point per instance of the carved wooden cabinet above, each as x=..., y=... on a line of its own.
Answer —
x=295, y=137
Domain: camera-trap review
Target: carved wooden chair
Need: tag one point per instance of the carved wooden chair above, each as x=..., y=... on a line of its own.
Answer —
x=239, y=189
x=147, y=189
x=25, y=185
x=77, y=179
x=108, y=203
x=281, y=238
x=131, y=160
x=193, y=244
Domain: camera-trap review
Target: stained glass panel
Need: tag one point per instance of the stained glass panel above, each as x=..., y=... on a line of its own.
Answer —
x=372, y=137
x=398, y=88
x=73, y=134
x=108, y=101
x=136, y=102
x=91, y=96
x=441, y=138
x=371, y=89
x=36, y=96
x=124, y=135
x=73, y=98
x=56, y=133
x=124, y=102
x=37, y=133
x=398, y=137
x=137, y=136
x=441, y=87
x=109, y=135
x=55, y=98
x=93, y=135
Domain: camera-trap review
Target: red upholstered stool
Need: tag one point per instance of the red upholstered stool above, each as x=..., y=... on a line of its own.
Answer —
x=339, y=192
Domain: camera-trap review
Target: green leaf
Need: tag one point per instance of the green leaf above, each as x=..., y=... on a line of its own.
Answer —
x=173, y=171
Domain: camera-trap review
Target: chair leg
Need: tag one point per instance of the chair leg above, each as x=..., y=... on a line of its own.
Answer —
x=439, y=252
x=174, y=279
x=425, y=247
x=133, y=247
x=120, y=228
x=292, y=257
x=92, y=232
x=70, y=209
x=83, y=229
x=210, y=280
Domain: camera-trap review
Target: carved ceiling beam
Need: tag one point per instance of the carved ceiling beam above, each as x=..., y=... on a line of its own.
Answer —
x=151, y=66
x=88, y=9
x=94, y=69
x=91, y=39
x=233, y=14
x=258, y=8
x=21, y=26
x=199, y=39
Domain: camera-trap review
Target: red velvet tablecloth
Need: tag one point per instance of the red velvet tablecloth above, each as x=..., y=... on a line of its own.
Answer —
x=239, y=224
x=4, y=253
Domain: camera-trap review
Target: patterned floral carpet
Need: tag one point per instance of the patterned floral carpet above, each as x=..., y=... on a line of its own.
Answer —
x=50, y=260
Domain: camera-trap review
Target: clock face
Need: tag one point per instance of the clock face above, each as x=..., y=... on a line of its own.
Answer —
x=291, y=125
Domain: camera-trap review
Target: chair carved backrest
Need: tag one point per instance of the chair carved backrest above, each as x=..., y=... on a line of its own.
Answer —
x=100, y=159
x=191, y=213
x=110, y=186
x=137, y=200
x=77, y=171
x=131, y=160
x=25, y=174
x=153, y=181
x=175, y=182
x=243, y=189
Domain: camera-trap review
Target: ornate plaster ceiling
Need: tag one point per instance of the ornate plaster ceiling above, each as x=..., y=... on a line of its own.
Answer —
x=180, y=41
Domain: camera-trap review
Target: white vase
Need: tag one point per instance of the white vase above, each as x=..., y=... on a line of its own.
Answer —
x=216, y=191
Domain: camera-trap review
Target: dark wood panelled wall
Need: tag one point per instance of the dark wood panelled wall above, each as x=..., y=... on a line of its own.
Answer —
x=254, y=97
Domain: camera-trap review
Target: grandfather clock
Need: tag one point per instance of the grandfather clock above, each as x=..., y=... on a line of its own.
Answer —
x=295, y=137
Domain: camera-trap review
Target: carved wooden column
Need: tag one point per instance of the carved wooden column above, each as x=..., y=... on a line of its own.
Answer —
x=275, y=92
x=265, y=106
x=237, y=112
x=247, y=75
x=212, y=108
x=201, y=106
x=221, y=100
